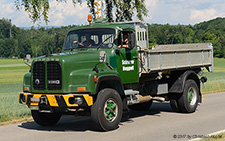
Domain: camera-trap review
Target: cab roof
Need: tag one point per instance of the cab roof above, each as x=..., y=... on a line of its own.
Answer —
x=121, y=26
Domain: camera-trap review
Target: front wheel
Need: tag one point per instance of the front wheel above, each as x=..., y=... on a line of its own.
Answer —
x=107, y=110
x=45, y=119
x=188, y=101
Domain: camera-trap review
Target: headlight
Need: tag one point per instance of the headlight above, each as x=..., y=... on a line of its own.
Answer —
x=76, y=100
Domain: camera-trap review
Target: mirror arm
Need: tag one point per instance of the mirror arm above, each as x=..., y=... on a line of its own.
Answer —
x=117, y=51
x=26, y=63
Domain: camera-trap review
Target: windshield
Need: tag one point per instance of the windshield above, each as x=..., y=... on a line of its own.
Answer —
x=90, y=38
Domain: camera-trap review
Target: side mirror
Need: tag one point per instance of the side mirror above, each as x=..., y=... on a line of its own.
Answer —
x=28, y=58
x=131, y=39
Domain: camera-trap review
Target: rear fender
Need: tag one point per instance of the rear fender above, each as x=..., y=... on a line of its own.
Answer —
x=178, y=85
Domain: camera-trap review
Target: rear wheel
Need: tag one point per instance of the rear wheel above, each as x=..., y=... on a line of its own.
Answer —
x=188, y=102
x=45, y=119
x=107, y=110
x=174, y=102
x=142, y=106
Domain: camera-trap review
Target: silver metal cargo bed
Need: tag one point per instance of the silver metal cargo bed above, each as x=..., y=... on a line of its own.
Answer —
x=179, y=56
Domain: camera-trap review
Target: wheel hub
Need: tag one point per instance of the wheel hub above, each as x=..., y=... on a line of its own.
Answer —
x=192, y=96
x=110, y=110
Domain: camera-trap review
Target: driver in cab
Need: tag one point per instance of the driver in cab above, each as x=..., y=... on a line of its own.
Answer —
x=125, y=41
x=88, y=42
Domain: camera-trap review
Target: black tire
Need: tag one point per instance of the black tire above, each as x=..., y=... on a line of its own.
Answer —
x=189, y=99
x=174, y=102
x=141, y=106
x=174, y=105
x=45, y=119
x=106, y=113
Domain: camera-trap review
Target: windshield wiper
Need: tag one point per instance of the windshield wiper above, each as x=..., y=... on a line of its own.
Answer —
x=103, y=42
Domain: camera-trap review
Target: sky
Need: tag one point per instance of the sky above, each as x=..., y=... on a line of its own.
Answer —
x=160, y=12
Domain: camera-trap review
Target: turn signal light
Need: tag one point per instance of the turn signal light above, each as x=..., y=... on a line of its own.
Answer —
x=95, y=78
x=26, y=88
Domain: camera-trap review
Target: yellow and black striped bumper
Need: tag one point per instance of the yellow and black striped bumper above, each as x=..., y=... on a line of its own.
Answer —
x=56, y=100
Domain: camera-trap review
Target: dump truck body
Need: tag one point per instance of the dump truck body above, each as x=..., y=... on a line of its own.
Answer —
x=104, y=75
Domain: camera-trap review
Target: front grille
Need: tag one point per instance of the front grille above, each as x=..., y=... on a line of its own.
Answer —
x=54, y=76
x=39, y=75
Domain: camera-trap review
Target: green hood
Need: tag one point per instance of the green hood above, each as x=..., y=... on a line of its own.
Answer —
x=77, y=69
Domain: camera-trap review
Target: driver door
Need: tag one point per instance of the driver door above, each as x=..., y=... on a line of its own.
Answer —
x=127, y=60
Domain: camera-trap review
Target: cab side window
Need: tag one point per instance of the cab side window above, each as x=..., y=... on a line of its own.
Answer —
x=123, y=40
x=128, y=40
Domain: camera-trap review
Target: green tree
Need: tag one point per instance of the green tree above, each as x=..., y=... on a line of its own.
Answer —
x=125, y=9
x=5, y=26
x=2, y=44
x=47, y=44
x=24, y=48
x=7, y=47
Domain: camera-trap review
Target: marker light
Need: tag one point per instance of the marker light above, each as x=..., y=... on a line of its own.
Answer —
x=81, y=88
x=89, y=18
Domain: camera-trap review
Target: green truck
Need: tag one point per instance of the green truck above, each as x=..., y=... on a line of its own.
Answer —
x=107, y=68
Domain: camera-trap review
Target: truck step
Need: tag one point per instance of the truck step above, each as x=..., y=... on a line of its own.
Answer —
x=131, y=92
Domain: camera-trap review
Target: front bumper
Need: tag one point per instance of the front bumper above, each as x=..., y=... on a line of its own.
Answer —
x=59, y=102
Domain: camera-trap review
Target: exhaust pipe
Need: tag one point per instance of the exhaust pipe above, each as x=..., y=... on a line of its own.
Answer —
x=143, y=99
x=137, y=99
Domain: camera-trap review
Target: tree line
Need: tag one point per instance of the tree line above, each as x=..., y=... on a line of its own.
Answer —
x=16, y=42
x=212, y=31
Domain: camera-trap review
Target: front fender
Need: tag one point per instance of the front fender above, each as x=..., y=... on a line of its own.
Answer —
x=81, y=78
x=27, y=82
x=112, y=80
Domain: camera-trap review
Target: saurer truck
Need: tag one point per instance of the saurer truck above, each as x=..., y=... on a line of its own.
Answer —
x=104, y=79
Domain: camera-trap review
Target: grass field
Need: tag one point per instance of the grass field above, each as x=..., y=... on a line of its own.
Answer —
x=217, y=137
x=11, y=78
x=216, y=80
x=11, y=61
